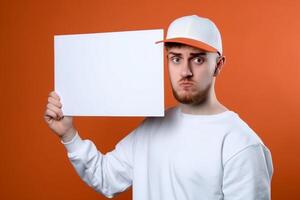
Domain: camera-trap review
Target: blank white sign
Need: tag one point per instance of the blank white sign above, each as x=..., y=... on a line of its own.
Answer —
x=110, y=74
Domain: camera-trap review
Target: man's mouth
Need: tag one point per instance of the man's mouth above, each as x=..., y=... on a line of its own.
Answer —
x=186, y=83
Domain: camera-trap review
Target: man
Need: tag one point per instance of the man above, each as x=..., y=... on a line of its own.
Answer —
x=200, y=150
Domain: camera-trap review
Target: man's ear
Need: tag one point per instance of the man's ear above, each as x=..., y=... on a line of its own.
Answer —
x=219, y=65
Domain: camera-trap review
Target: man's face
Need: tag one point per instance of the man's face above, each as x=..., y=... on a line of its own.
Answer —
x=191, y=73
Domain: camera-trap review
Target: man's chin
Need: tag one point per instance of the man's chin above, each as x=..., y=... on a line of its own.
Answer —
x=185, y=100
x=188, y=97
x=184, y=97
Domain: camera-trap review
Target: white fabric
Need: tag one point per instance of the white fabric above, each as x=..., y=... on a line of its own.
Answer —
x=180, y=157
x=197, y=28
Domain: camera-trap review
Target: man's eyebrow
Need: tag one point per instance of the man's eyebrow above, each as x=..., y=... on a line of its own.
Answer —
x=175, y=54
x=198, y=54
x=192, y=54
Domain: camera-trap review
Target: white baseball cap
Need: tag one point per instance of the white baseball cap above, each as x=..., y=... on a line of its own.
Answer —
x=195, y=31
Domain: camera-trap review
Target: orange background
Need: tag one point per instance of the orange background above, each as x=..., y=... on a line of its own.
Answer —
x=260, y=81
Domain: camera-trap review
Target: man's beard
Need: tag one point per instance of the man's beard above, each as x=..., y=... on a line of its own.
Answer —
x=192, y=98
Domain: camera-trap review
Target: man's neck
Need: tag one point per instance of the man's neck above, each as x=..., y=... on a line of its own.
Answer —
x=202, y=110
x=209, y=107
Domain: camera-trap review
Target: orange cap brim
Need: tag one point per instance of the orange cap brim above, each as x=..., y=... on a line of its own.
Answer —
x=190, y=42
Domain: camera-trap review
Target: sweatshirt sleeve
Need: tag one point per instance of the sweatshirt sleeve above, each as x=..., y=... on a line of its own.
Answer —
x=108, y=174
x=247, y=174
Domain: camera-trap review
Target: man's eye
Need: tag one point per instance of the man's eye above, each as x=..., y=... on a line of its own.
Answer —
x=198, y=60
x=175, y=60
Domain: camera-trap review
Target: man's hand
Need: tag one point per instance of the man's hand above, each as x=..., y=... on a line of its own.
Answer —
x=61, y=125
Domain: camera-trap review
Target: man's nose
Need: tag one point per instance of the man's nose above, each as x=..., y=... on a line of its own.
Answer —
x=186, y=70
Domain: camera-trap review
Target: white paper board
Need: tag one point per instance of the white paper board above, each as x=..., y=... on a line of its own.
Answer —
x=110, y=74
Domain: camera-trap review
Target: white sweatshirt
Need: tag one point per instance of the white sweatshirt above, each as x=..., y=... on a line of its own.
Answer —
x=180, y=157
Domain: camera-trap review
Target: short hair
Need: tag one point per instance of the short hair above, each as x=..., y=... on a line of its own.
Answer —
x=169, y=45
